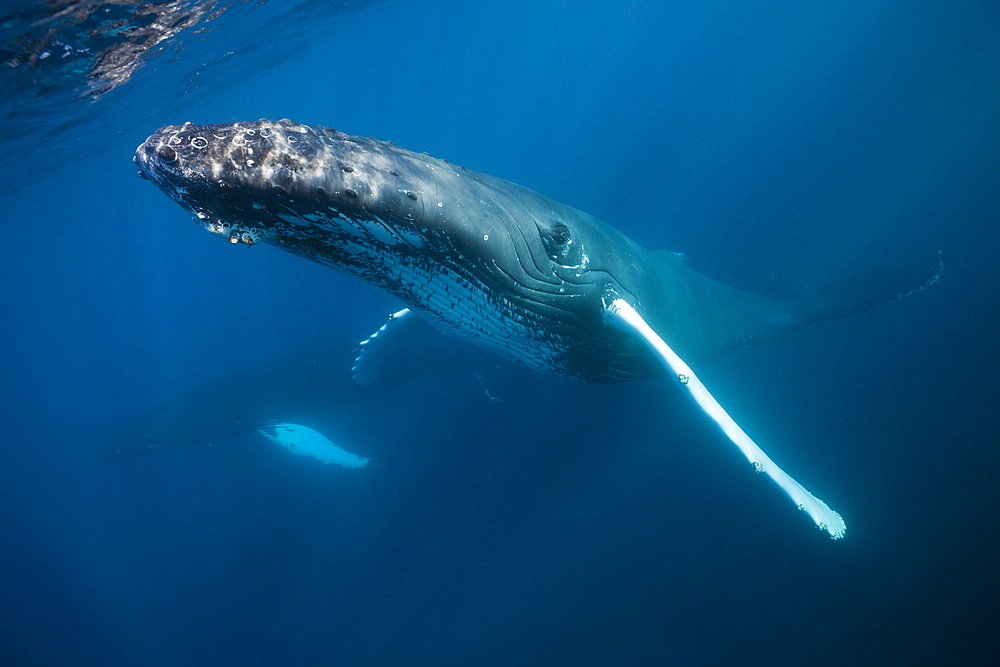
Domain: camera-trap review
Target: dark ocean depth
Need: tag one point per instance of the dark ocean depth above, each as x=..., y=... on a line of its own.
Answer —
x=506, y=517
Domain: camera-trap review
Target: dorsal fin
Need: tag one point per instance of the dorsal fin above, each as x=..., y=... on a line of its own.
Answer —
x=671, y=256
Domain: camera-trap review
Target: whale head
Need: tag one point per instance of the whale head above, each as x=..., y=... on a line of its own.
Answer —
x=480, y=257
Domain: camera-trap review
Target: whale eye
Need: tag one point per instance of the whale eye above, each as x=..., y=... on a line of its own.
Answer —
x=559, y=244
x=167, y=154
x=560, y=234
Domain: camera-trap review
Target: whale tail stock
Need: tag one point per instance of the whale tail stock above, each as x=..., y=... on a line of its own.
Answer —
x=864, y=291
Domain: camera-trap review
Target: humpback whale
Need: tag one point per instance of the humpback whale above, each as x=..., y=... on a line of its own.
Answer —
x=315, y=385
x=491, y=262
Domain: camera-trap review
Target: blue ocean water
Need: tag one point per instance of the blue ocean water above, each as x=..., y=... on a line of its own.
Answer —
x=562, y=523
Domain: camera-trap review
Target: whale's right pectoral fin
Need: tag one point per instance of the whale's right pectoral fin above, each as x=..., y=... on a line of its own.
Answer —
x=621, y=315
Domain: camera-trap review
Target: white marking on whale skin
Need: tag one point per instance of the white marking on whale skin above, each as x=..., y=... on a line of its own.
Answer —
x=623, y=316
x=304, y=441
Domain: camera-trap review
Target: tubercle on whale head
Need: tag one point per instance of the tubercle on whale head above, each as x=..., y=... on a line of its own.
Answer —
x=264, y=156
x=213, y=171
x=244, y=155
x=233, y=231
x=283, y=168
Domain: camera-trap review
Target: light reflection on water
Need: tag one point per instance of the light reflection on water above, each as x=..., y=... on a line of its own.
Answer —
x=74, y=72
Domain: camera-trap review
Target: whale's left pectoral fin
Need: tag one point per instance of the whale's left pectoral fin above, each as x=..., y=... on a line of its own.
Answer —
x=621, y=315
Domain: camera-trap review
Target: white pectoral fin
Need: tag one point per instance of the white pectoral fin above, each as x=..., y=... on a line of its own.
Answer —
x=304, y=441
x=623, y=316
